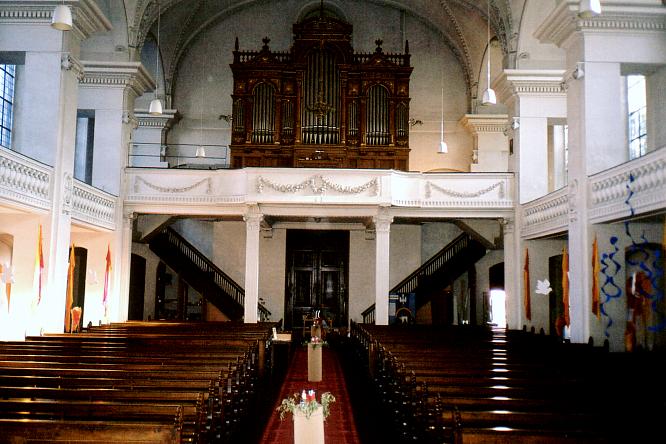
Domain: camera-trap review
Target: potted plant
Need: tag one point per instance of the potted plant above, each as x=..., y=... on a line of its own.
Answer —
x=308, y=415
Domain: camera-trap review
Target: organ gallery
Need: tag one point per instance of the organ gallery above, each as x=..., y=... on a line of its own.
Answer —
x=320, y=104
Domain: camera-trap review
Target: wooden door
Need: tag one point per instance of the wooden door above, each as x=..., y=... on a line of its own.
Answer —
x=316, y=276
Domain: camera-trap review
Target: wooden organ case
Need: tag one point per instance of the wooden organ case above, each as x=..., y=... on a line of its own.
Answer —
x=320, y=105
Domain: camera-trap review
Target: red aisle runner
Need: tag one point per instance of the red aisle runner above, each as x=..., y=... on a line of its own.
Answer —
x=339, y=427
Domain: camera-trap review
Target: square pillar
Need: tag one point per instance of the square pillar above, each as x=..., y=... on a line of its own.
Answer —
x=253, y=221
x=382, y=266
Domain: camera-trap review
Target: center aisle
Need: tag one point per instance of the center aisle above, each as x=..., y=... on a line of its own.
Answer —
x=339, y=427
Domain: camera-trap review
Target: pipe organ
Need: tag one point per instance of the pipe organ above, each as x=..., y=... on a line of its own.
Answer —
x=320, y=104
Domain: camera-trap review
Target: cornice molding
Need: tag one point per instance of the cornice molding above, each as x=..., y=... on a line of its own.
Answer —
x=484, y=123
x=530, y=82
x=88, y=18
x=131, y=75
x=563, y=21
x=168, y=118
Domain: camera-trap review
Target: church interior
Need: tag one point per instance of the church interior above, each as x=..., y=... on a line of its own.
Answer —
x=446, y=218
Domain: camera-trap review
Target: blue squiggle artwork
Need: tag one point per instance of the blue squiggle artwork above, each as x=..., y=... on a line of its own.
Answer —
x=638, y=256
x=609, y=268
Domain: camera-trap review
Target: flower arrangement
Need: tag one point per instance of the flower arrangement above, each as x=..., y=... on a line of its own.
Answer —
x=316, y=341
x=306, y=403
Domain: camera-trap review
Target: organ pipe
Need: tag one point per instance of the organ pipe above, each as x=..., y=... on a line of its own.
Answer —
x=263, y=114
x=377, y=117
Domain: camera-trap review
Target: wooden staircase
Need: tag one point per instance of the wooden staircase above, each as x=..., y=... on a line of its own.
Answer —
x=437, y=272
x=201, y=274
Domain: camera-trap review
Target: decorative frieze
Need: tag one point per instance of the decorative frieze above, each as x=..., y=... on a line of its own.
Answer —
x=318, y=185
x=161, y=189
x=464, y=194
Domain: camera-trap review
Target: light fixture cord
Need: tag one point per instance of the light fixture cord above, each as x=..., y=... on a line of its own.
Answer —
x=441, y=128
x=203, y=79
x=157, y=51
x=488, y=35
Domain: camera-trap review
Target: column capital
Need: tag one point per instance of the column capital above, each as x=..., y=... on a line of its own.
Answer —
x=70, y=63
x=382, y=221
x=253, y=218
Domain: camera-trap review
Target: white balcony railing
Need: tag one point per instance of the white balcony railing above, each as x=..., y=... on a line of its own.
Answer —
x=24, y=181
x=632, y=188
x=154, y=190
x=546, y=216
x=93, y=206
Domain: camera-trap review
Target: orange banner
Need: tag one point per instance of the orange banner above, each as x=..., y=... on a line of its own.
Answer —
x=39, y=270
x=565, y=286
x=107, y=277
x=69, y=299
x=526, y=284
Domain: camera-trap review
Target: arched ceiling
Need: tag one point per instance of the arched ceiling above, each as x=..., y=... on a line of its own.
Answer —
x=453, y=19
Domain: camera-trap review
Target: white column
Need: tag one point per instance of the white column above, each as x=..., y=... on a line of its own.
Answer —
x=57, y=234
x=252, y=229
x=122, y=260
x=512, y=275
x=382, y=266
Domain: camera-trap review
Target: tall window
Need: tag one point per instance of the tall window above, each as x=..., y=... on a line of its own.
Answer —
x=84, y=145
x=7, y=74
x=558, y=156
x=637, y=106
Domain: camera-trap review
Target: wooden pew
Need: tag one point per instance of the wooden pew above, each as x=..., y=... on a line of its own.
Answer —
x=41, y=430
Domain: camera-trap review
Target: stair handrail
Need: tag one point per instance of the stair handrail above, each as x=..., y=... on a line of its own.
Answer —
x=429, y=267
x=369, y=315
x=221, y=279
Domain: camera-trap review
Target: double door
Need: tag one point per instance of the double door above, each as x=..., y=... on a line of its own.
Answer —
x=316, y=277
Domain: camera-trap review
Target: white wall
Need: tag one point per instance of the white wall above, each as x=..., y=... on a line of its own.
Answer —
x=361, y=274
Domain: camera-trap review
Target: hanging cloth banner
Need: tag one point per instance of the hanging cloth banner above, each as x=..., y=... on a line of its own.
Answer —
x=107, y=276
x=596, y=300
x=39, y=271
x=69, y=299
x=565, y=286
x=526, y=286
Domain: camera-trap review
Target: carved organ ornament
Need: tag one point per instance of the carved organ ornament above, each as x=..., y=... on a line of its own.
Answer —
x=320, y=104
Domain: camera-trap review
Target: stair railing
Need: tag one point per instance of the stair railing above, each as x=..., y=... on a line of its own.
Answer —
x=369, y=315
x=206, y=266
x=432, y=265
x=222, y=280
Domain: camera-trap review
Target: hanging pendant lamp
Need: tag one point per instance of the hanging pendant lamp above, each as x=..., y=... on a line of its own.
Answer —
x=201, y=151
x=589, y=8
x=443, y=147
x=155, y=108
x=62, y=18
x=489, y=97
